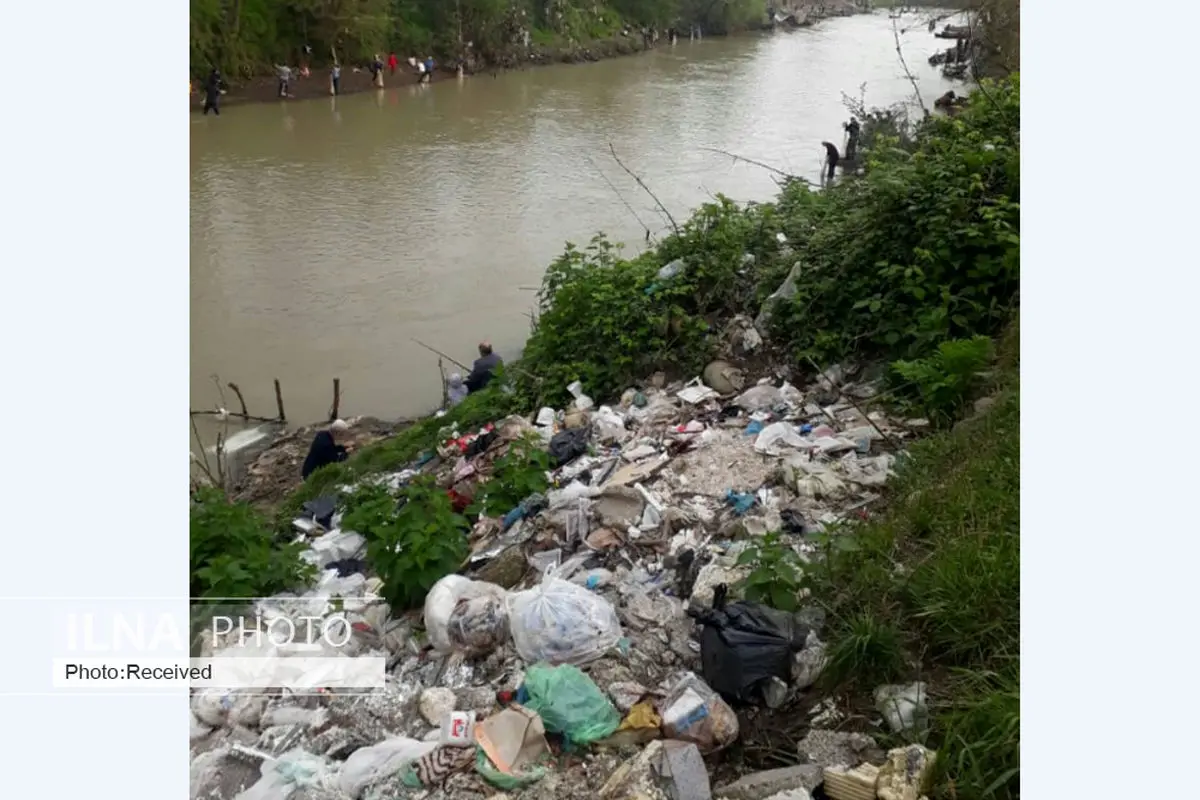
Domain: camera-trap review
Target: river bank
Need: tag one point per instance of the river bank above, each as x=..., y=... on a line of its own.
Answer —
x=896, y=610
x=356, y=79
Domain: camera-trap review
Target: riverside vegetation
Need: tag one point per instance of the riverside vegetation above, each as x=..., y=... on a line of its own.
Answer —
x=246, y=37
x=914, y=262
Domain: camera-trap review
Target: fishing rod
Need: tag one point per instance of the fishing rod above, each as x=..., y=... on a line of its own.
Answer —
x=437, y=352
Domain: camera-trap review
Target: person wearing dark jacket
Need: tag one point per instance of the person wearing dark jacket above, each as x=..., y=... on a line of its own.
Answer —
x=831, y=160
x=482, y=369
x=212, y=93
x=853, y=131
x=325, y=449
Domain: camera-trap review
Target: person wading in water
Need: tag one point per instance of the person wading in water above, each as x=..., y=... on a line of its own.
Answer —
x=335, y=78
x=212, y=92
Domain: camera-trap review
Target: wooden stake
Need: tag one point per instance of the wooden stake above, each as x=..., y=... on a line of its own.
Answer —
x=241, y=399
x=279, y=401
x=337, y=397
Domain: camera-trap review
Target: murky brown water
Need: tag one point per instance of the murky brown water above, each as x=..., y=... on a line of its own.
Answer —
x=327, y=234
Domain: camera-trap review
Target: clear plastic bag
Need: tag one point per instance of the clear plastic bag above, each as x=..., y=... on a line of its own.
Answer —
x=693, y=712
x=561, y=623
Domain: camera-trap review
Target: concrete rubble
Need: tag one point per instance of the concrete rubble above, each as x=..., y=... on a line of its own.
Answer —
x=600, y=573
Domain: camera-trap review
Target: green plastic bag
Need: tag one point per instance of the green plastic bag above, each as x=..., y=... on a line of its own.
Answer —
x=529, y=775
x=570, y=703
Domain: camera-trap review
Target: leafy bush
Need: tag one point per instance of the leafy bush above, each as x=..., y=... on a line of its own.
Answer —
x=517, y=474
x=923, y=246
x=943, y=382
x=413, y=540
x=233, y=554
x=777, y=578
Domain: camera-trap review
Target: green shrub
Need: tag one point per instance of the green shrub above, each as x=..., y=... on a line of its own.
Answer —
x=233, y=554
x=517, y=474
x=413, y=539
x=943, y=382
x=924, y=246
x=776, y=578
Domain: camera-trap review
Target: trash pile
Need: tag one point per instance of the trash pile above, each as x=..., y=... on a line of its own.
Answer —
x=594, y=643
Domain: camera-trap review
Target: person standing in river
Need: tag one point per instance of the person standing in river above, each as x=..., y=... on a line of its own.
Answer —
x=377, y=72
x=212, y=92
x=392, y=62
x=285, y=78
x=831, y=160
x=335, y=78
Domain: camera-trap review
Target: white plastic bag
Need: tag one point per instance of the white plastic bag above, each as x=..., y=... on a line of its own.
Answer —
x=582, y=401
x=759, y=398
x=338, y=546
x=561, y=623
x=370, y=764
x=777, y=436
x=293, y=770
x=609, y=426
x=482, y=601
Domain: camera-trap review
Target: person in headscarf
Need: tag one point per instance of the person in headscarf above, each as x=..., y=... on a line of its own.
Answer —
x=456, y=390
x=326, y=449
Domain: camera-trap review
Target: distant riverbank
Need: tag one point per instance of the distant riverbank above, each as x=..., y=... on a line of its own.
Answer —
x=356, y=79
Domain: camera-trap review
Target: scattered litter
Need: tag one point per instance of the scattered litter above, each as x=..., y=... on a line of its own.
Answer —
x=904, y=707
x=650, y=503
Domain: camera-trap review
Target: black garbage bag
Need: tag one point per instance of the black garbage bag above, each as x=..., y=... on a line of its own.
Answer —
x=743, y=644
x=568, y=445
x=321, y=510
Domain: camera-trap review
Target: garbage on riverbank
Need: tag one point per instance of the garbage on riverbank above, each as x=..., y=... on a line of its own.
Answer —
x=594, y=642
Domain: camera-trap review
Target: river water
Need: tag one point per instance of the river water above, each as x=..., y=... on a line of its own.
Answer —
x=326, y=234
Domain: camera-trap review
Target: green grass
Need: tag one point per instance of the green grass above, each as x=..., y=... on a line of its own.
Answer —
x=933, y=592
